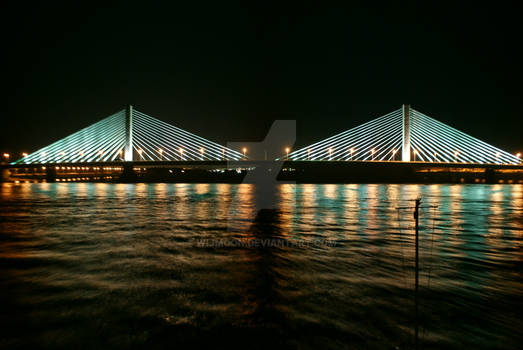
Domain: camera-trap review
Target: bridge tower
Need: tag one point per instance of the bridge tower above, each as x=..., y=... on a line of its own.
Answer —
x=405, y=147
x=128, y=134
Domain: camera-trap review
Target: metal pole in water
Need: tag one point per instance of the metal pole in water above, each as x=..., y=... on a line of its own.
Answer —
x=416, y=216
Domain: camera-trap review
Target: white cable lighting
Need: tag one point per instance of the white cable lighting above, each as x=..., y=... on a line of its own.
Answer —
x=384, y=132
x=105, y=141
x=431, y=141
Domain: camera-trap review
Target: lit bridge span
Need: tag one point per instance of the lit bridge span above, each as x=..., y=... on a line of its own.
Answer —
x=404, y=135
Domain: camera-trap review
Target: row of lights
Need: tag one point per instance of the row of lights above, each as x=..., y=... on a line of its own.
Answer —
x=394, y=151
x=244, y=151
x=181, y=150
x=87, y=168
x=351, y=150
x=120, y=152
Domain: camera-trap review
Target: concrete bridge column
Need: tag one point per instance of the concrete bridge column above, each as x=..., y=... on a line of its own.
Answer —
x=405, y=148
x=128, y=134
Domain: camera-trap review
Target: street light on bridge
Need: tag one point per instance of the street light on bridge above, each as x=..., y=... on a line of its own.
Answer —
x=6, y=156
x=415, y=154
x=24, y=154
x=372, y=151
x=181, y=153
x=456, y=156
x=140, y=154
x=394, y=154
x=201, y=152
x=161, y=153
x=287, y=150
x=330, y=153
x=244, y=152
x=308, y=154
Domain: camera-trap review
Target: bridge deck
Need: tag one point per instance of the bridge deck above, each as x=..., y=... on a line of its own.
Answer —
x=235, y=171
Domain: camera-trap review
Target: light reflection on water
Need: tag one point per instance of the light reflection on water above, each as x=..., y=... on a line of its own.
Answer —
x=110, y=263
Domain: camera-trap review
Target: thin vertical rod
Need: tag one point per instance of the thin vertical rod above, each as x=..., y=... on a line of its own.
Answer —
x=416, y=217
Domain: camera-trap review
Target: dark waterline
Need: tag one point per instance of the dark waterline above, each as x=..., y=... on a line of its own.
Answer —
x=164, y=265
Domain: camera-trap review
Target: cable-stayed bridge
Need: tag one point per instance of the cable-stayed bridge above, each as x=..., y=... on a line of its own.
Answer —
x=130, y=135
x=402, y=146
x=405, y=135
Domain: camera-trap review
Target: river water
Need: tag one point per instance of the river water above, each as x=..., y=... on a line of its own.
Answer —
x=177, y=265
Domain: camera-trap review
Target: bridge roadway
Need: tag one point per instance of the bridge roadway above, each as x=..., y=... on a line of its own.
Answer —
x=235, y=171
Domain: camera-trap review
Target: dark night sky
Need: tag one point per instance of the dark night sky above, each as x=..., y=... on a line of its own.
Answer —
x=226, y=72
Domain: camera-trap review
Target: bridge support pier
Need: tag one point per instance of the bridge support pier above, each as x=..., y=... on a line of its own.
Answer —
x=50, y=174
x=405, y=147
x=128, y=175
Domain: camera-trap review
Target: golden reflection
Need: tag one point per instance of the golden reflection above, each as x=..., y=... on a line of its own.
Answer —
x=243, y=210
x=309, y=194
x=456, y=212
x=373, y=203
x=121, y=190
x=516, y=195
x=140, y=190
x=181, y=190
x=224, y=201
x=62, y=189
x=81, y=189
x=307, y=205
x=161, y=211
x=412, y=192
x=245, y=192
x=435, y=190
x=6, y=190
x=160, y=189
x=202, y=211
x=26, y=189
x=182, y=204
x=392, y=194
x=330, y=191
x=223, y=189
x=202, y=188
x=287, y=194
x=496, y=193
x=352, y=207
x=100, y=189
x=202, y=203
x=329, y=212
x=496, y=210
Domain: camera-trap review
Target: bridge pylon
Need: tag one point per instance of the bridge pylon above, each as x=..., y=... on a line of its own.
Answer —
x=128, y=151
x=405, y=137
